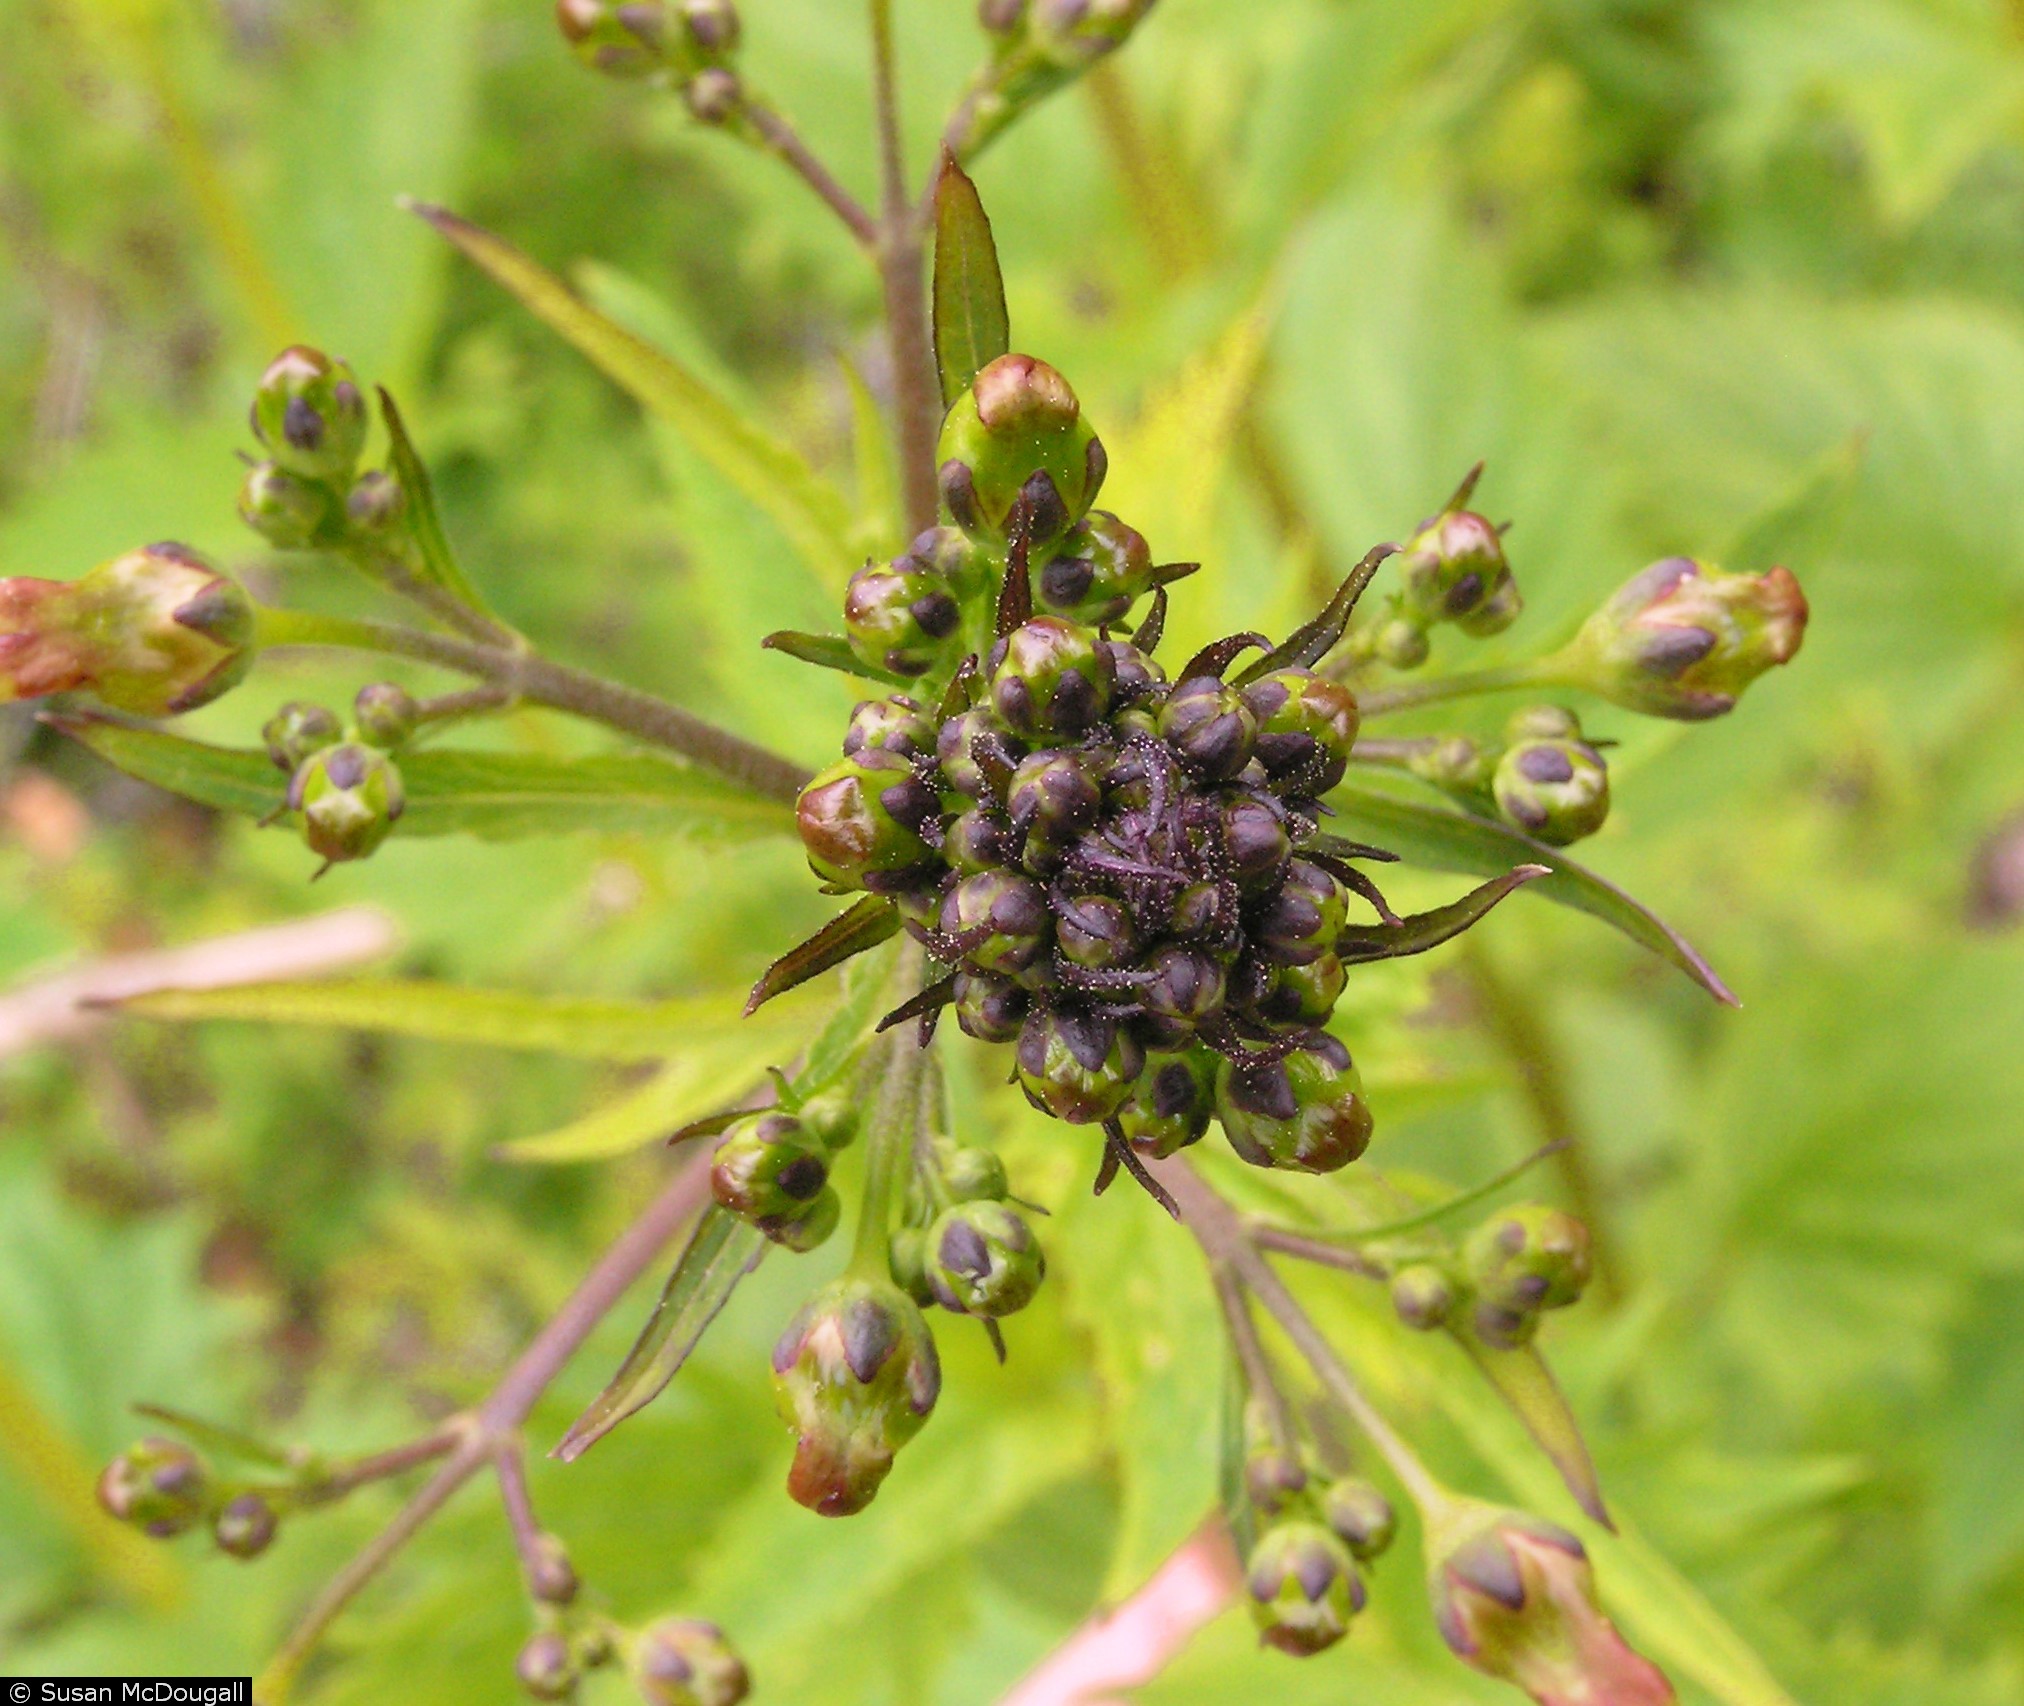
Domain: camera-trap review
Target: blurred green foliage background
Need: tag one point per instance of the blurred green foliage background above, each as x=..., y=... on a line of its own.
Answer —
x=1692, y=275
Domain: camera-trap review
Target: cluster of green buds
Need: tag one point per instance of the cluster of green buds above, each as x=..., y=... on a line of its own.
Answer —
x=310, y=417
x=1544, y=777
x=856, y=1376
x=1126, y=874
x=1038, y=46
x=154, y=632
x=690, y=45
x=1452, y=569
x=683, y=1661
x=964, y=1243
x=166, y=1488
x=1514, y=1597
x=772, y=1169
x=1313, y=1532
x=343, y=782
x=1515, y=1265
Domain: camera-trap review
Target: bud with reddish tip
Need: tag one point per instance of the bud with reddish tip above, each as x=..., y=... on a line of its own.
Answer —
x=1305, y=1112
x=683, y=1661
x=771, y=1170
x=1514, y=1597
x=160, y=1486
x=855, y=1376
x=309, y=412
x=860, y=820
x=1016, y=436
x=1453, y=570
x=896, y=725
x=1683, y=639
x=1306, y=729
x=155, y=632
x=1303, y=1588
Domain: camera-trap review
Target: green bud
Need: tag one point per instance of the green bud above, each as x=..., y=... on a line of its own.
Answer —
x=1099, y=571
x=808, y=1226
x=713, y=28
x=1171, y=1103
x=681, y=1661
x=159, y=1486
x=963, y=1172
x=1303, y=920
x=769, y=1167
x=957, y=743
x=1017, y=435
x=1301, y=995
x=1051, y=677
x=385, y=714
x=155, y=632
x=1077, y=1066
x=860, y=820
x=1136, y=680
x=1095, y=932
x=1550, y=782
x=1275, y=1479
x=1424, y=1295
x=309, y=412
x=900, y=617
x=1457, y=764
x=285, y=509
x=1360, y=1516
x=1075, y=32
x=1306, y=728
x=1521, y=1261
x=991, y=1009
x=376, y=503
x=979, y=841
x=1683, y=639
x=350, y=798
x=1005, y=919
x=896, y=725
x=621, y=38
x=1305, y=1113
x=1514, y=1597
x=1402, y=643
x=855, y=1376
x=907, y=1262
x=832, y=1118
x=1454, y=570
x=983, y=1259
x=296, y=731
x=551, y=1578
x=1303, y=1588
x=546, y=1668
x=1210, y=726
x=245, y=1526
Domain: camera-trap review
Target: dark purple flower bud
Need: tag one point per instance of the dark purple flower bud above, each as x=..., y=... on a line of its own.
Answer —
x=1255, y=841
x=546, y=1668
x=900, y=617
x=1136, y=678
x=1053, y=798
x=1187, y=985
x=1360, y=1515
x=1077, y=1066
x=1017, y=436
x=1009, y=915
x=1302, y=921
x=1050, y=677
x=1210, y=727
x=1305, y=1113
x=976, y=754
x=979, y=840
x=1299, y=995
x=991, y=1009
x=1095, y=931
x=298, y=730
x=769, y=1167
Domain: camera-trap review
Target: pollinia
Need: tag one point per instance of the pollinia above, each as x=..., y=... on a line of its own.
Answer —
x=1135, y=883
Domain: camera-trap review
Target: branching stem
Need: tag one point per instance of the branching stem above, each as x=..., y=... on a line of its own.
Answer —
x=1259, y=1379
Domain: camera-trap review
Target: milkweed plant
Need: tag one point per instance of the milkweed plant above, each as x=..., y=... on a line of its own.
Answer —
x=1134, y=883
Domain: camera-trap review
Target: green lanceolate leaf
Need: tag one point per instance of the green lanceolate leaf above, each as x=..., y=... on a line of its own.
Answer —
x=1455, y=841
x=437, y=562
x=497, y=795
x=972, y=327
x=829, y=651
x=1522, y=1379
x=721, y=1252
x=585, y=1027
x=1424, y=930
x=868, y=923
x=1308, y=644
x=814, y=516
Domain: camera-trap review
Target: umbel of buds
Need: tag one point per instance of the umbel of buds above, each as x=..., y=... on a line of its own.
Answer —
x=1683, y=638
x=855, y=1376
x=682, y=1661
x=1521, y=1261
x=160, y=1486
x=155, y=632
x=685, y=39
x=1514, y=1597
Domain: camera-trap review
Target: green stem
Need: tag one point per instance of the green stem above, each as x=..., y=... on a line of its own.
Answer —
x=889, y=1150
x=1256, y=1367
x=1542, y=672
x=525, y=675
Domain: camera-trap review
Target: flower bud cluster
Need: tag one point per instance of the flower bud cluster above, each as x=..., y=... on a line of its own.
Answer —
x=309, y=414
x=772, y=1169
x=343, y=784
x=166, y=1488
x=1512, y=1267
x=1544, y=777
x=964, y=1244
x=1452, y=569
x=691, y=44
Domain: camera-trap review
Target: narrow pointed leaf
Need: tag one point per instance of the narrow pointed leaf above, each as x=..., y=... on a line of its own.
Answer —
x=1522, y=1379
x=1308, y=644
x=1424, y=930
x=810, y=513
x=972, y=327
x=1217, y=656
x=215, y=1436
x=868, y=923
x=829, y=651
x=438, y=563
x=721, y=1251
x=1446, y=840
x=496, y=795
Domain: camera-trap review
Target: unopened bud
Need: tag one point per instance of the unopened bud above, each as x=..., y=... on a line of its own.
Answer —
x=1523, y=1260
x=1051, y=677
x=1305, y=1112
x=712, y=26
x=832, y=1118
x=860, y=820
x=297, y=730
x=551, y=1578
x=621, y=38
x=1078, y=1066
x=245, y=1526
x=1303, y=1588
x=769, y=1166
x=1304, y=918
x=714, y=95
x=1017, y=437
x=895, y=725
x=158, y=1485
x=855, y=1376
x=1424, y=1295
x=1172, y=1103
x=1360, y=1516
x=309, y=412
x=1550, y=782
x=350, y=797
x=1101, y=569
x=682, y=1661
x=385, y=714
x=1004, y=918
x=1453, y=570
x=1402, y=643
x=285, y=509
x=900, y=617
x=1306, y=729
x=375, y=503
x=983, y=1259
x=1210, y=726
x=991, y=1009
x=546, y=1668
x=1683, y=639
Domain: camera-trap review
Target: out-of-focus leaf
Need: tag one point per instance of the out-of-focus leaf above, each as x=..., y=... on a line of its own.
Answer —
x=829, y=651
x=836, y=1044
x=871, y=921
x=499, y=795
x=439, y=563
x=1804, y=524
x=878, y=481
x=1453, y=841
x=1424, y=930
x=811, y=513
x=972, y=327
x=589, y=1027
x=706, y=1076
x=1523, y=1381
x=721, y=1251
